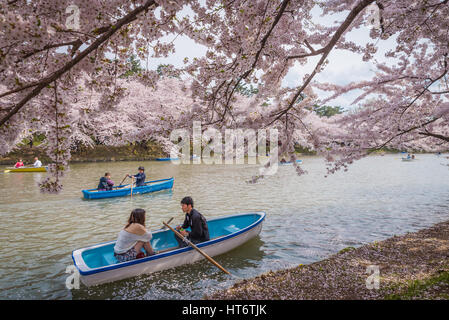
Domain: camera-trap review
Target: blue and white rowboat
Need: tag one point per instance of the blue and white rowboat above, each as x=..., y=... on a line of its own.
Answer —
x=150, y=186
x=176, y=159
x=97, y=264
x=289, y=162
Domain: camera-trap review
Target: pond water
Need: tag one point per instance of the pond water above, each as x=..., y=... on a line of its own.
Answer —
x=309, y=218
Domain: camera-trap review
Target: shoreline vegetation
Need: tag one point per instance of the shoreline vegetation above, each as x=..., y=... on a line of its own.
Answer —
x=411, y=266
x=140, y=151
x=99, y=153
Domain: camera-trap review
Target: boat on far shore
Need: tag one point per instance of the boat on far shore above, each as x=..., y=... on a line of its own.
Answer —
x=175, y=159
x=166, y=159
x=289, y=162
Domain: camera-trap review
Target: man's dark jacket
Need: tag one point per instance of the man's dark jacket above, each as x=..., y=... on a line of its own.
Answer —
x=198, y=225
x=140, y=179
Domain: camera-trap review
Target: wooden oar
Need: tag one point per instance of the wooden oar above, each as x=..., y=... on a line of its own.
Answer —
x=122, y=181
x=132, y=182
x=164, y=227
x=197, y=249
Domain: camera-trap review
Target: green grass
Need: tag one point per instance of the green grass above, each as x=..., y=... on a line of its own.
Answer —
x=417, y=287
x=346, y=249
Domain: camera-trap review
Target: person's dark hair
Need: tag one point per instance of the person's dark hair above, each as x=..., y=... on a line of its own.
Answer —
x=106, y=174
x=187, y=201
x=141, y=168
x=137, y=216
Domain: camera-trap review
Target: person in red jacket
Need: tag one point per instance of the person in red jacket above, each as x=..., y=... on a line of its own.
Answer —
x=19, y=164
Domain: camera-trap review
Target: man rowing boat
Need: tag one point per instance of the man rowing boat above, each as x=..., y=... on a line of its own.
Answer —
x=199, y=231
x=140, y=177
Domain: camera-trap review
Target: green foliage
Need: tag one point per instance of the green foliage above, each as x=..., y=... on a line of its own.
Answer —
x=327, y=111
x=161, y=71
x=346, y=249
x=245, y=90
x=303, y=150
x=36, y=138
x=133, y=67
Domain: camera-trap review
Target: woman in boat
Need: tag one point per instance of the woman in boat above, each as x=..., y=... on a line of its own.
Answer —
x=19, y=164
x=140, y=177
x=106, y=183
x=133, y=238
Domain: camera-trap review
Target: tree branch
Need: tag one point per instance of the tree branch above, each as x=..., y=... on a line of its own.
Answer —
x=434, y=135
x=326, y=50
x=57, y=74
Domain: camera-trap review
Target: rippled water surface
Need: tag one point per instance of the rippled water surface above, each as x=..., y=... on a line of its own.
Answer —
x=308, y=218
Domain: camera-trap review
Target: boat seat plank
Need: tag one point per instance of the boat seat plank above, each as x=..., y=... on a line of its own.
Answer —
x=231, y=229
x=109, y=258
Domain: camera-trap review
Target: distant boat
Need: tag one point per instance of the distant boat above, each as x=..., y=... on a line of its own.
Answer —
x=150, y=186
x=289, y=162
x=174, y=159
x=407, y=159
x=97, y=264
x=26, y=169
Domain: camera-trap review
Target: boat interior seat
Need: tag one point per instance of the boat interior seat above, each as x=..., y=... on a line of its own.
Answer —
x=109, y=258
x=230, y=229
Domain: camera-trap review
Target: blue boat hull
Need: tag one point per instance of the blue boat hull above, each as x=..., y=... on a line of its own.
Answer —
x=166, y=159
x=97, y=264
x=289, y=162
x=151, y=186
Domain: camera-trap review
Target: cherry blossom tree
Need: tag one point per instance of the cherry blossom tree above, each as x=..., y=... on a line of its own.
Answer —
x=44, y=51
x=143, y=113
x=48, y=46
x=400, y=107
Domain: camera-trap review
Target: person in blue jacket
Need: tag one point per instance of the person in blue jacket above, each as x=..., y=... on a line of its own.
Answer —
x=140, y=177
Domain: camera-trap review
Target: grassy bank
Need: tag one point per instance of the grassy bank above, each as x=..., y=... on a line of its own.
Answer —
x=412, y=266
x=131, y=152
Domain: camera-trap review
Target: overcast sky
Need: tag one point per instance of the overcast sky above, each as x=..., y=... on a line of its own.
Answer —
x=344, y=67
